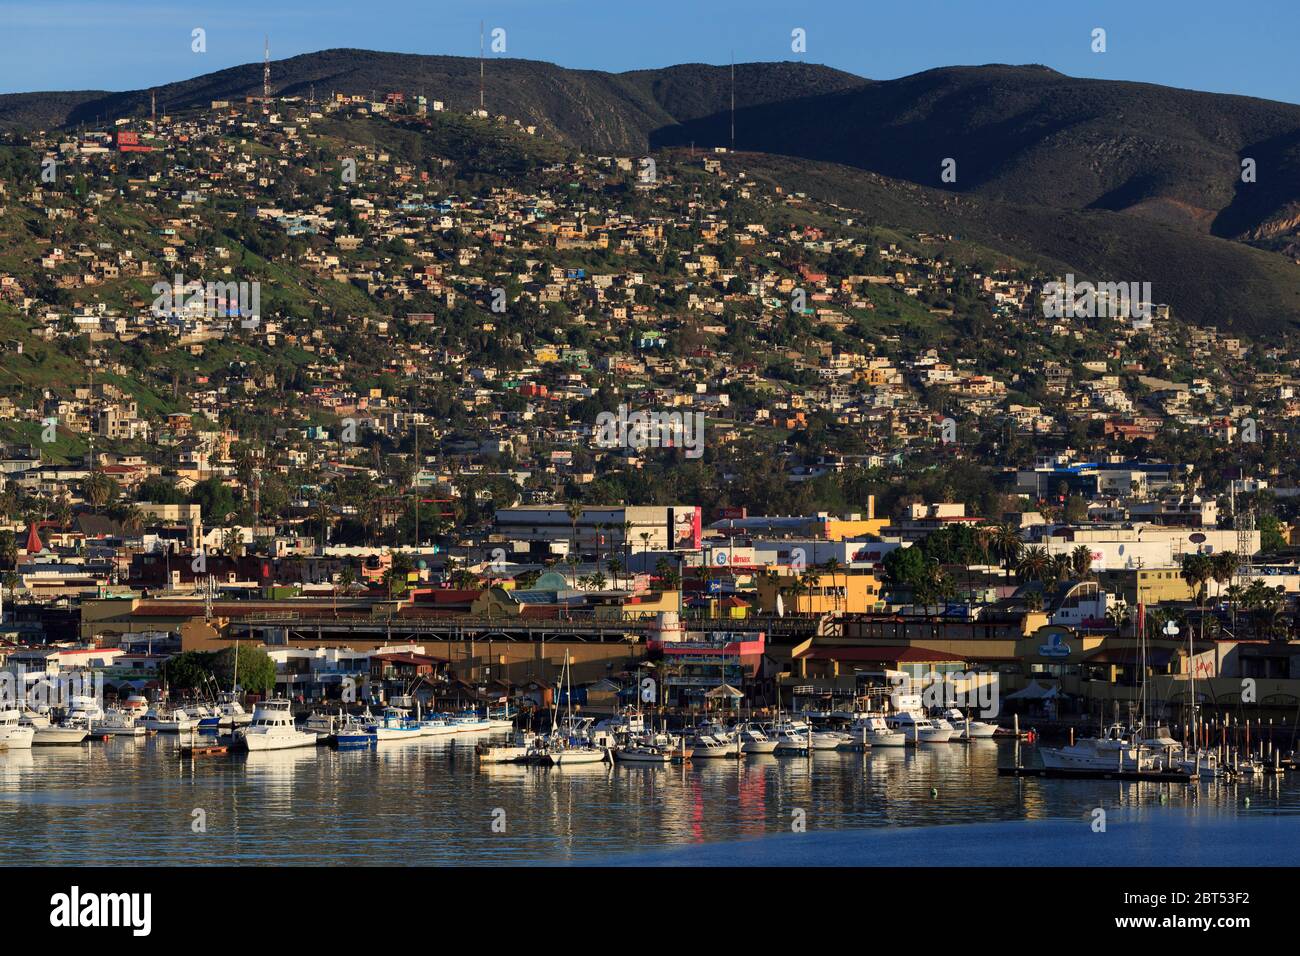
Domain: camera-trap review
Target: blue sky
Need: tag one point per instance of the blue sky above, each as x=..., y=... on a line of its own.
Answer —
x=129, y=44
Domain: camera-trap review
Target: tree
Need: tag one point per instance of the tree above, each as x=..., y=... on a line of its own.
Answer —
x=1006, y=543
x=99, y=489
x=1034, y=564
x=187, y=670
x=256, y=669
x=1081, y=562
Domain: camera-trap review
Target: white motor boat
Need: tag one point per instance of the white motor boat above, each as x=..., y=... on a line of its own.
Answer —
x=798, y=737
x=917, y=729
x=167, y=721
x=1115, y=749
x=502, y=719
x=754, y=741
x=13, y=735
x=708, y=746
x=64, y=734
x=968, y=727
x=872, y=731
x=514, y=750
x=273, y=728
x=118, y=723
x=470, y=722
x=395, y=724
x=642, y=753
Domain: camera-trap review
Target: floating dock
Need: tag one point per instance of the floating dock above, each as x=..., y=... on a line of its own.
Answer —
x=1149, y=776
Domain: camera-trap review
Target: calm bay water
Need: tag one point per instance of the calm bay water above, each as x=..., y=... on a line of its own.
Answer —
x=426, y=802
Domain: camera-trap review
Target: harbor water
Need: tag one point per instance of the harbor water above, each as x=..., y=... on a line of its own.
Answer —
x=135, y=801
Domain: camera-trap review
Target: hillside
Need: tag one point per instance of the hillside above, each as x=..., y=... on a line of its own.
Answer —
x=585, y=108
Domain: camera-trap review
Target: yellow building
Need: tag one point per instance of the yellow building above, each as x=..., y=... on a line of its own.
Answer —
x=817, y=591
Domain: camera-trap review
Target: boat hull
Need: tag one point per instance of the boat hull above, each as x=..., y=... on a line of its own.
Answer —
x=17, y=738
x=289, y=741
x=59, y=737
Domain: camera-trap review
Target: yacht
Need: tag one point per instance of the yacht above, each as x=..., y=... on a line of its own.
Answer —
x=708, y=746
x=119, y=723
x=273, y=729
x=66, y=733
x=870, y=730
x=1115, y=749
x=969, y=727
x=795, y=736
x=917, y=729
x=639, y=752
x=233, y=714
x=13, y=735
x=166, y=721
x=955, y=734
x=754, y=741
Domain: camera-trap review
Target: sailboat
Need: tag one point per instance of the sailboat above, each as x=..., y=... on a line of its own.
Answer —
x=568, y=748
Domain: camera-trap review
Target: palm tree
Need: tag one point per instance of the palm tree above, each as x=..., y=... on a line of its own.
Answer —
x=811, y=579
x=133, y=517
x=12, y=581
x=98, y=489
x=1118, y=615
x=1033, y=564
x=574, y=511
x=1007, y=545
x=833, y=567
x=1081, y=562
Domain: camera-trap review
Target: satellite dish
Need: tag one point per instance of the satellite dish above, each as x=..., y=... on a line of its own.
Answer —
x=780, y=606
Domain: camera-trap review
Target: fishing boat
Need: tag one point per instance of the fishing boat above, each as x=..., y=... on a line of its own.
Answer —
x=1117, y=748
x=502, y=719
x=352, y=733
x=438, y=725
x=395, y=724
x=13, y=735
x=273, y=728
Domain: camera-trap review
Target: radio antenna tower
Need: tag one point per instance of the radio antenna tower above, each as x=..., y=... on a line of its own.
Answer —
x=733, y=102
x=480, y=67
x=266, y=75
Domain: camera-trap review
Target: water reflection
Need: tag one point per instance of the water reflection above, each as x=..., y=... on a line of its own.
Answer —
x=426, y=802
